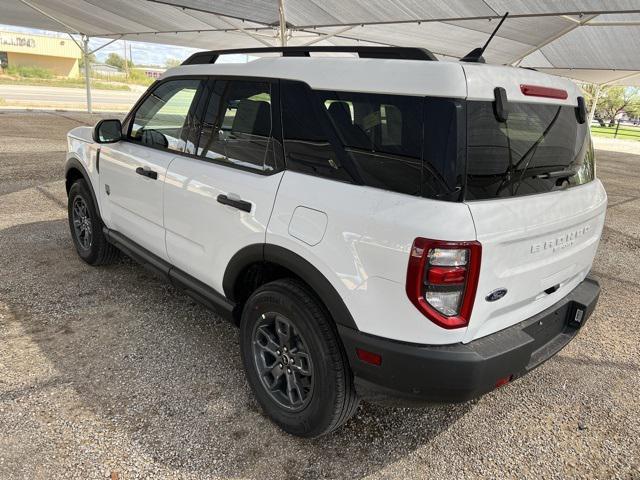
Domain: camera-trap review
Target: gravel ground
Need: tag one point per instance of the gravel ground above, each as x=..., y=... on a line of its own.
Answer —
x=110, y=373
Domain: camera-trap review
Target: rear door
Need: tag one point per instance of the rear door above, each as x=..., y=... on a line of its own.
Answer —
x=537, y=207
x=220, y=199
x=132, y=171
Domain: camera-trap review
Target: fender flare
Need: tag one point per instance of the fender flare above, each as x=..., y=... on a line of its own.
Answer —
x=74, y=163
x=283, y=257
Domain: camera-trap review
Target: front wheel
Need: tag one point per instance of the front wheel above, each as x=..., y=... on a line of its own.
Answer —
x=294, y=361
x=86, y=227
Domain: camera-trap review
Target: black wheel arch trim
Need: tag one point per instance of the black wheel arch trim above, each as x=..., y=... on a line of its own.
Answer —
x=73, y=163
x=285, y=258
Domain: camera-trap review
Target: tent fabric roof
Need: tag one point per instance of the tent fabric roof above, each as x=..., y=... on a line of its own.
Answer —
x=590, y=40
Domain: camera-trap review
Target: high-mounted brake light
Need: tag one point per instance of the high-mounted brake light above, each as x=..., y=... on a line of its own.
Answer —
x=547, y=92
x=442, y=279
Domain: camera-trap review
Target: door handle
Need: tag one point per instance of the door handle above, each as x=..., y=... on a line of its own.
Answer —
x=235, y=203
x=145, y=172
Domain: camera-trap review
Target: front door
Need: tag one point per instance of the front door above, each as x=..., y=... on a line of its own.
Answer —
x=133, y=171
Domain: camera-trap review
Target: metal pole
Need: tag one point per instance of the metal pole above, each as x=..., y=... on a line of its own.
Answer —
x=283, y=24
x=595, y=102
x=87, y=71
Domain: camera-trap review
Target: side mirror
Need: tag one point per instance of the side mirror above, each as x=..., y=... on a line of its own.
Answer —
x=107, y=131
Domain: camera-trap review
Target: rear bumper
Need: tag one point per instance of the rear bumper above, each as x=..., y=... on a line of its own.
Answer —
x=411, y=373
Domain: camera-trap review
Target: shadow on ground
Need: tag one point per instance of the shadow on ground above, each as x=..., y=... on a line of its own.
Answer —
x=152, y=363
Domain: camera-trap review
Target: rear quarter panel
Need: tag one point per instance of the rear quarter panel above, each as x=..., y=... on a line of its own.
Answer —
x=365, y=248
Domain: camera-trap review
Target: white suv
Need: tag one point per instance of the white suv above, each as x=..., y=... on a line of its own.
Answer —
x=381, y=226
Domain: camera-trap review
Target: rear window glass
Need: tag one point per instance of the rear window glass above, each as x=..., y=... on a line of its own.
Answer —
x=538, y=149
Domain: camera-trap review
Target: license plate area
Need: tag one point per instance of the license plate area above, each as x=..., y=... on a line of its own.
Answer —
x=549, y=327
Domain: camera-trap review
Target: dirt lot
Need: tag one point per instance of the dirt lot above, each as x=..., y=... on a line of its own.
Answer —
x=109, y=373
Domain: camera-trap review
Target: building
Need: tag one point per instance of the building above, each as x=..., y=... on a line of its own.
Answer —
x=59, y=55
x=106, y=69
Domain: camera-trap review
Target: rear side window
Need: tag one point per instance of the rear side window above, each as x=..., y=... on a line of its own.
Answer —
x=382, y=135
x=160, y=120
x=237, y=126
x=307, y=137
x=540, y=148
x=405, y=144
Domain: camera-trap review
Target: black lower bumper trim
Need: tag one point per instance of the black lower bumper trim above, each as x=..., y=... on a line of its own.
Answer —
x=412, y=373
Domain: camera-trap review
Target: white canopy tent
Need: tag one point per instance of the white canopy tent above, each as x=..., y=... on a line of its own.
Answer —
x=596, y=41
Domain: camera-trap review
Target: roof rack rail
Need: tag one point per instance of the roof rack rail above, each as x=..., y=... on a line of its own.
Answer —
x=397, y=53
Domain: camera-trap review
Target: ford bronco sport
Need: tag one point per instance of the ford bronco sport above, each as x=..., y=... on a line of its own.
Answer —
x=381, y=226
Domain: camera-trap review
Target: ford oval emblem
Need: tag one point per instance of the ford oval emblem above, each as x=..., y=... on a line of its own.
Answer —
x=496, y=295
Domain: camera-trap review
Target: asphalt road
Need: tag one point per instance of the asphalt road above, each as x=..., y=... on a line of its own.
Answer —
x=110, y=373
x=52, y=95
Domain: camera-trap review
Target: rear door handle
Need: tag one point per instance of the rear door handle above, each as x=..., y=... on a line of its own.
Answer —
x=235, y=203
x=145, y=172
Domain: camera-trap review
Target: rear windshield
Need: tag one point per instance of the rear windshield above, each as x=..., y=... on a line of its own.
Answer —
x=538, y=149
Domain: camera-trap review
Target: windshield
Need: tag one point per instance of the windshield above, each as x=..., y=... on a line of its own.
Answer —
x=538, y=149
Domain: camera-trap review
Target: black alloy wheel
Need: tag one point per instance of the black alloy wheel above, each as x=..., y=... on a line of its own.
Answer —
x=281, y=357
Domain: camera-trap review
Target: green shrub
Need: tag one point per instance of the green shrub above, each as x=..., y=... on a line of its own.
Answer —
x=29, y=71
x=138, y=77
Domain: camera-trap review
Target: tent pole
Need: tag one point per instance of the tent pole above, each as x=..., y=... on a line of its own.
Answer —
x=283, y=24
x=596, y=96
x=87, y=71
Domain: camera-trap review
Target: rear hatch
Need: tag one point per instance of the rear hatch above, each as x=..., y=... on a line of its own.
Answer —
x=530, y=186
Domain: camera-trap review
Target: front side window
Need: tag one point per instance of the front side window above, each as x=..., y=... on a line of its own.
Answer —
x=161, y=120
x=237, y=125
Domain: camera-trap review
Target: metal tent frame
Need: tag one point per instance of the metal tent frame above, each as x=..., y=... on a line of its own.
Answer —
x=561, y=37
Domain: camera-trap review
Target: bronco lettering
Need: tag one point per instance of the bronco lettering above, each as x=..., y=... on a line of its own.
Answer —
x=563, y=241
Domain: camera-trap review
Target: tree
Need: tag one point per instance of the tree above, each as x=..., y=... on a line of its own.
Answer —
x=172, y=62
x=117, y=61
x=614, y=100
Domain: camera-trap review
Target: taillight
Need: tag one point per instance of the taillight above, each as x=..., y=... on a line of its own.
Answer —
x=442, y=278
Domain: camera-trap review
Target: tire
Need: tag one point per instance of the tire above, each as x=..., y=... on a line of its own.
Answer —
x=86, y=227
x=324, y=399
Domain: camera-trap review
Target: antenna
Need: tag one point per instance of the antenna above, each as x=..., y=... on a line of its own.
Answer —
x=475, y=55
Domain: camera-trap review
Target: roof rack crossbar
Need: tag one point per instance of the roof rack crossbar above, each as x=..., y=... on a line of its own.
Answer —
x=397, y=53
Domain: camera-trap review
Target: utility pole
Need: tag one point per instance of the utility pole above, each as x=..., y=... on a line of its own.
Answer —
x=126, y=61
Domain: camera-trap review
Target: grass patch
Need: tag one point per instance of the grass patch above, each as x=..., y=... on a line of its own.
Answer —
x=60, y=82
x=2, y=101
x=625, y=132
x=29, y=72
x=136, y=77
x=139, y=78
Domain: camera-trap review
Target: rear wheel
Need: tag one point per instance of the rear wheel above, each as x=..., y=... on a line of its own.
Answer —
x=86, y=227
x=294, y=361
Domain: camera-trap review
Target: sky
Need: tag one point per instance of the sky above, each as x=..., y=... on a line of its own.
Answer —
x=143, y=53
